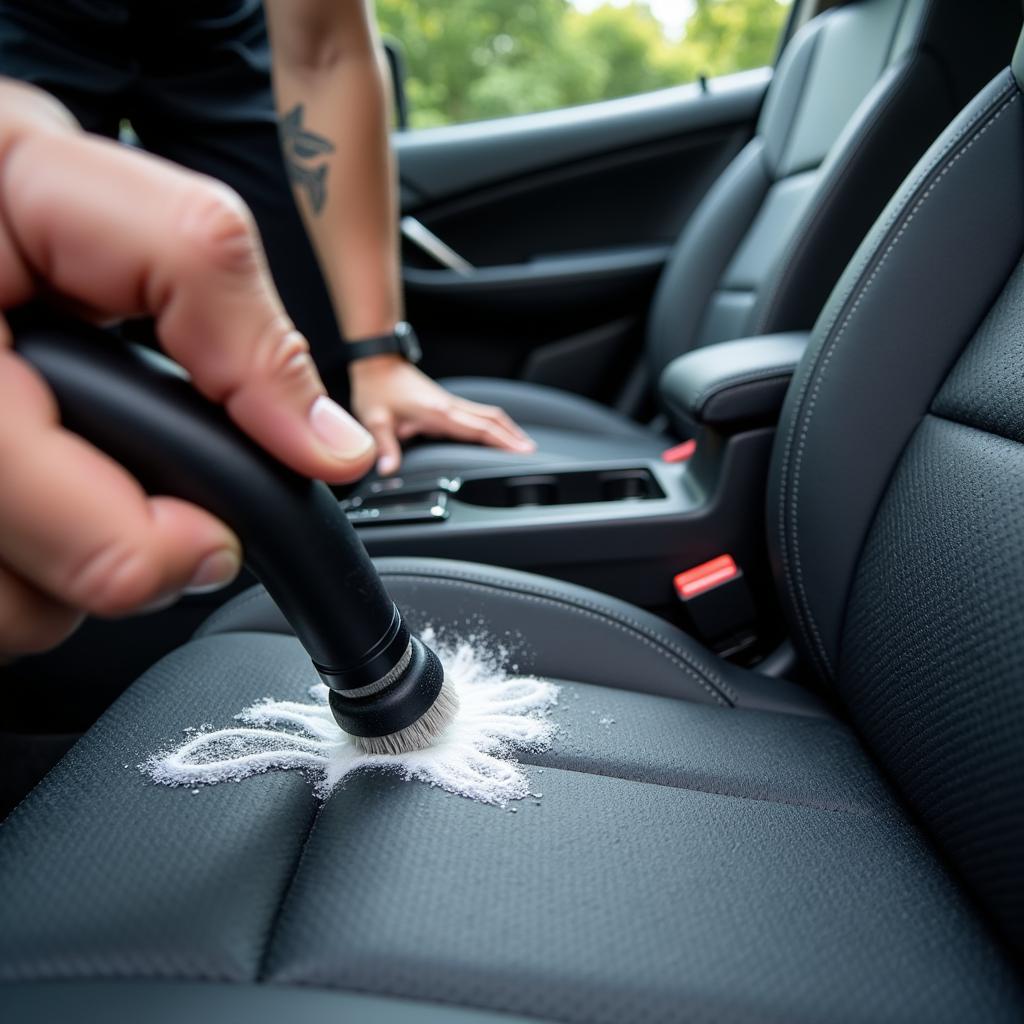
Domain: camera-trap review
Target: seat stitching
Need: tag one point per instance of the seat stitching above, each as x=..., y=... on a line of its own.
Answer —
x=832, y=347
x=823, y=358
x=268, y=943
x=712, y=685
x=708, y=681
x=620, y=621
x=857, y=291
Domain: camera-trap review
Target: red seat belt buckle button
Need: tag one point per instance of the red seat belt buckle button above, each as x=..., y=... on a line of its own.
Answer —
x=717, y=604
x=705, y=576
x=680, y=452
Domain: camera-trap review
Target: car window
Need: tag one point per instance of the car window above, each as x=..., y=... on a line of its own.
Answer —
x=471, y=60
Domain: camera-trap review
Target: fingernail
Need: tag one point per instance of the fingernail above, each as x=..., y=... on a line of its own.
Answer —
x=527, y=445
x=337, y=430
x=214, y=571
x=158, y=604
x=387, y=464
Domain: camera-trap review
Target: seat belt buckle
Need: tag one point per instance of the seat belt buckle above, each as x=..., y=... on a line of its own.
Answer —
x=680, y=452
x=717, y=604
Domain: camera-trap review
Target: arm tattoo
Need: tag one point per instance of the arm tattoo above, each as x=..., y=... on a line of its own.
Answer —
x=301, y=148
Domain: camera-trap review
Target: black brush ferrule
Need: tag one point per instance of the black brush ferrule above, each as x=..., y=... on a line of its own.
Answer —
x=379, y=662
x=397, y=706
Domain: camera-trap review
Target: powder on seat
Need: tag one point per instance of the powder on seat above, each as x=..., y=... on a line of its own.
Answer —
x=498, y=715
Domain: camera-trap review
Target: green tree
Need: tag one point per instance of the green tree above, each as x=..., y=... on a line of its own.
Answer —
x=627, y=46
x=452, y=48
x=730, y=35
x=474, y=59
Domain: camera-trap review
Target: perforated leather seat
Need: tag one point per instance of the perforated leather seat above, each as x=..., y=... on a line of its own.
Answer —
x=858, y=95
x=728, y=850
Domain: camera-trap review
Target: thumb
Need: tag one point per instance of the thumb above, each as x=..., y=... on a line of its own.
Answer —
x=381, y=426
x=224, y=322
x=189, y=254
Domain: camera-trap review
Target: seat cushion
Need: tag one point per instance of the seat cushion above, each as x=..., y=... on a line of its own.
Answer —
x=550, y=628
x=162, y=1002
x=568, y=428
x=689, y=861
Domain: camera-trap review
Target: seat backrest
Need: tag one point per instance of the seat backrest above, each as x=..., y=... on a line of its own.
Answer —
x=859, y=93
x=896, y=496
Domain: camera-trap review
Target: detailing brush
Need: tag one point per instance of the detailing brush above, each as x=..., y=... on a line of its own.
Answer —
x=387, y=688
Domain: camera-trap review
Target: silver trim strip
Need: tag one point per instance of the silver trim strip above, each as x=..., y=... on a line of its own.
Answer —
x=420, y=235
x=385, y=681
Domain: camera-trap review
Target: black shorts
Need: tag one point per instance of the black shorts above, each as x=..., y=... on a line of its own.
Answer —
x=193, y=78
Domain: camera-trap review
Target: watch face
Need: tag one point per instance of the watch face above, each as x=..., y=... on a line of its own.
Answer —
x=406, y=338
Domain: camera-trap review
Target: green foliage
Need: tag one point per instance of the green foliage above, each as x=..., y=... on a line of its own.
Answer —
x=468, y=60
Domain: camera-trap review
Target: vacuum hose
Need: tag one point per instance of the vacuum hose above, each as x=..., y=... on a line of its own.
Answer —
x=139, y=408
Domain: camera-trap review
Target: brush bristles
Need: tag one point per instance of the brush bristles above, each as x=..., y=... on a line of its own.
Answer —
x=421, y=734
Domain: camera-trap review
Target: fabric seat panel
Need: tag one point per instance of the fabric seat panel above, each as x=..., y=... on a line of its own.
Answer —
x=612, y=894
x=618, y=901
x=864, y=384
x=931, y=653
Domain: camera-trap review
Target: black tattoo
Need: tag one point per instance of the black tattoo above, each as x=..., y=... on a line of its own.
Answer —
x=301, y=147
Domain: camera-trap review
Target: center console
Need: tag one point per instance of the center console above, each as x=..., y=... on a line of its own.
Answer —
x=623, y=527
x=429, y=499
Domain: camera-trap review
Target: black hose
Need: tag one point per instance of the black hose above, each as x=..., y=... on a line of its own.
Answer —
x=141, y=410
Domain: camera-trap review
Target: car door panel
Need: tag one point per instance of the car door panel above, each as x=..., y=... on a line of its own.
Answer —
x=566, y=219
x=438, y=163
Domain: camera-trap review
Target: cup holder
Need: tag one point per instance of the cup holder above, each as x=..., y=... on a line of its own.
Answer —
x=629, y=485
x=571, y=488
x=526, y=491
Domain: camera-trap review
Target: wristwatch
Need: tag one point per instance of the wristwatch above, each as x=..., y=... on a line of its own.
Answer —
x=401, y=341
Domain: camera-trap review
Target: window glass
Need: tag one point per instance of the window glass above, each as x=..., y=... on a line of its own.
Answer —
x=469, y=60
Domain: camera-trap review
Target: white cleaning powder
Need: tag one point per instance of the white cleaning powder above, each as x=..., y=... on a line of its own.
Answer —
x=498, y=714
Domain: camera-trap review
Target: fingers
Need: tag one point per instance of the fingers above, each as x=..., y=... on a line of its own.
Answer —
x=381, y=425
x=480, y=424
x=134, y=236
x=188, y=253
x=514, y=438
x=79, y=532
x=259, y=366
x=31, y=621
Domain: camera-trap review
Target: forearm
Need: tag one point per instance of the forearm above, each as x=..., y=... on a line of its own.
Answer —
x=332, y=92
x=333, y=98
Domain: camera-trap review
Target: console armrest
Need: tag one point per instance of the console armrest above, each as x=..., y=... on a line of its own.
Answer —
x=733, y=384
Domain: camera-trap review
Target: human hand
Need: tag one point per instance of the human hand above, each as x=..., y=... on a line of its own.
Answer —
x=395, y=401
x=117, y=233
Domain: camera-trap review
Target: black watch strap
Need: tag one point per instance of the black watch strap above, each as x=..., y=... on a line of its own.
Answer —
x=401, y=341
